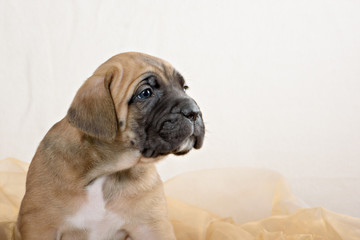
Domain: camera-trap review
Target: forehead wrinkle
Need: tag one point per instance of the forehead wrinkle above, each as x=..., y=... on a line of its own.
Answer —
x=155, y=63
x=161, y=68
x=165, y=73
x=168, y=75
x=179, y=77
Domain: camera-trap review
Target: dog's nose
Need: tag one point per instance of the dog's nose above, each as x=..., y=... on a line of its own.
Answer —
x=191, y=112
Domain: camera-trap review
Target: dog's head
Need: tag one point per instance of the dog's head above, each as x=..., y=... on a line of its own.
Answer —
x=139, y=101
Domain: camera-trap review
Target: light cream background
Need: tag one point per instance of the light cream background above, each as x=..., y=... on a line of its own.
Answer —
x=278, y=81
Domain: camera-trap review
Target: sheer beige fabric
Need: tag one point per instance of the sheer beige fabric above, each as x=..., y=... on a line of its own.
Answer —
x=219, y=204
x=248, y=204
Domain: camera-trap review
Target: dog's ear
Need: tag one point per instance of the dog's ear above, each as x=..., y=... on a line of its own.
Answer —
x=93, y=110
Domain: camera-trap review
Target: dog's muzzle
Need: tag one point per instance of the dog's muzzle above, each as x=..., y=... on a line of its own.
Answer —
x=179, y=128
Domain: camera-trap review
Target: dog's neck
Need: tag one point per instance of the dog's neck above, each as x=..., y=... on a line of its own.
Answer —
x=105, y=158
x=81, y=158
x=118, y=163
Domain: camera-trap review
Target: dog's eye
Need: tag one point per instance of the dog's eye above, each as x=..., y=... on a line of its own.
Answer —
x=145, y=94
x=185, y=87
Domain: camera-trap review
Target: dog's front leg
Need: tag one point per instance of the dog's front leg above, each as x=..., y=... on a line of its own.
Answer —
x=37, y=232
x=160, y=230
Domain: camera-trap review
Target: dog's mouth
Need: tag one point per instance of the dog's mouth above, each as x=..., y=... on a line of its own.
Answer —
x=150, y=155
x=186, y=146
x=174, y=135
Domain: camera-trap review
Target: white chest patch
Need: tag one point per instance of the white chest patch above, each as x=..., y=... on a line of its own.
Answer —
x=92, y=216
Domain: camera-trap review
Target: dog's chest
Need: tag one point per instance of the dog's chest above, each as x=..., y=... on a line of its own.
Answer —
x=93, y=217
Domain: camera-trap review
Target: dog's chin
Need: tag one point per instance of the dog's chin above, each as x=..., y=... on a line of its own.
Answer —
x=182, y=149
x=185, y=146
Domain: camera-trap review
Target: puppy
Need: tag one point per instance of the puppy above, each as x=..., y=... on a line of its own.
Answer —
x=93, y=175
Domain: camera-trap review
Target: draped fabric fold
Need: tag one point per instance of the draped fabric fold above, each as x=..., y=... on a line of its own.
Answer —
x=217, y=204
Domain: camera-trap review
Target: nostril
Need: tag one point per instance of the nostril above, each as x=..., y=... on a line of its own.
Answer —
x=190, y=110
x=191, y=115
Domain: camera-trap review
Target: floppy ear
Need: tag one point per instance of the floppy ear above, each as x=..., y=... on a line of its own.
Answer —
x=93, y=110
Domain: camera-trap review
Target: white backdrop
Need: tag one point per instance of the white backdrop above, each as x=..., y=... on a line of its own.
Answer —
x=278, y=81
